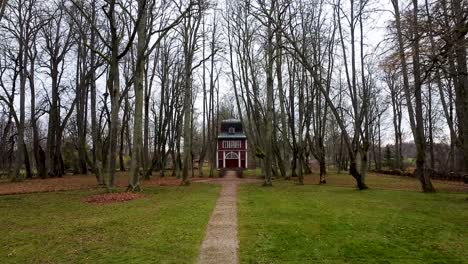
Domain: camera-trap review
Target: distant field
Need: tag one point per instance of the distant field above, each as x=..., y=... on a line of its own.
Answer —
x=373, y=180
x=322, y=224
x=77, y=182
x=167, y=226
x=381, y=181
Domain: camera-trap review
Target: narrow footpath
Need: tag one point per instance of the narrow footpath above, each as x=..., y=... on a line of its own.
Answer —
x=221, y=243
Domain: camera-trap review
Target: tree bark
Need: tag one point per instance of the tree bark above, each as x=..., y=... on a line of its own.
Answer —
x=134, y=184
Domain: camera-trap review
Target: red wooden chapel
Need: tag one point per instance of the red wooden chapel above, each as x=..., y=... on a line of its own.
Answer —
x=232, y=145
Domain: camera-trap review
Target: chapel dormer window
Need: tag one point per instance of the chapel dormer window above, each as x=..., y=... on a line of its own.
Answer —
x=232, y=130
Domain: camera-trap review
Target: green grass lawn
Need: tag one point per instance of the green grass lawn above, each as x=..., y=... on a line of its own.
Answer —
x=167, y=226
x=252, y=173
x=322, y=224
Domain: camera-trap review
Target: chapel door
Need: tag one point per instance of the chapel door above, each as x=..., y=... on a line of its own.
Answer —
x=232, y=160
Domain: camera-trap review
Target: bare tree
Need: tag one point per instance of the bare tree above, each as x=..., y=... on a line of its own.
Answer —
x=57, y=44
x=391, y=78
x=22, y=24
x=414, y=111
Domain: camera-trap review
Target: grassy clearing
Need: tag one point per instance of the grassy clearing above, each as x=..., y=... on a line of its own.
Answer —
x=322, y=224
x=167, y=226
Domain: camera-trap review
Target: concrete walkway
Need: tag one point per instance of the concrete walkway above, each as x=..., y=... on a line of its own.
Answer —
x=221, y=243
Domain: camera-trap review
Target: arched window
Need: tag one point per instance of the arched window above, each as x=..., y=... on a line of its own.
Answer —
x=232, y=130
x=231, y=155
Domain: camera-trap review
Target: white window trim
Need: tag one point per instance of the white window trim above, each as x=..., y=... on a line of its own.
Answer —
x=246, y=161
x=232, y=144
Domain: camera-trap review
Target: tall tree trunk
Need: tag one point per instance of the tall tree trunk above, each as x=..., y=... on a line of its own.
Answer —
x=95, y=131
x=134, y=183
x=285, y=164
x=81, y=94
x=269, y=105
x=113, y=85
x=430, y=128
x=190, y=36
x=461, y=102
x=187, y=123
x=53, y=165
x=38, y=157
x=415, y=116
x=419, y=137
x=21, y=146
x=147, y=96
x=125, y=119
